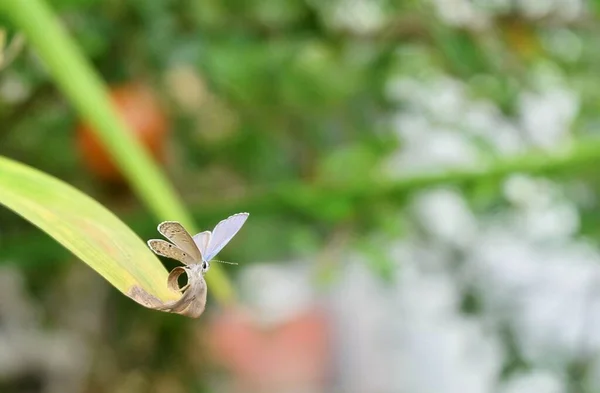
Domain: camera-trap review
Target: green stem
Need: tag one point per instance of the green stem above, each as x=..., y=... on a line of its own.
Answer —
x=532, y=163
x=78, y=81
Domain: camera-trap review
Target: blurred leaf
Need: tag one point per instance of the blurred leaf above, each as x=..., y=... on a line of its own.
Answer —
x=326, y=205
x=317, y=77
x=87, y=229
x=461, y=51
x=351, y=165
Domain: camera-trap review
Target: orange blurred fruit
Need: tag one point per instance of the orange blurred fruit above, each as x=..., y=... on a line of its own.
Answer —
x=147, y=121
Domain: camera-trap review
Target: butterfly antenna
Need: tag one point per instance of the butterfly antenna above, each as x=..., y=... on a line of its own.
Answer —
x=229, y=263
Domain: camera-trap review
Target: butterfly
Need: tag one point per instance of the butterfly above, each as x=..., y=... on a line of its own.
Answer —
x=195, y=252
x=199, y=249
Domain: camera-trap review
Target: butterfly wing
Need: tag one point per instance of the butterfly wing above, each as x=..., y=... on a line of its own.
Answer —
x=166, y=249
x=202, y=240
x=176, y=233
x=223, y=233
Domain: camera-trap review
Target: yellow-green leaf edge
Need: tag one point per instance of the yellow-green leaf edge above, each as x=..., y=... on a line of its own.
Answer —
x=85, y=227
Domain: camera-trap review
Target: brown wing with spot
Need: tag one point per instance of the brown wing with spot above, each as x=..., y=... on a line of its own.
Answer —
x=177, y=234
x=166, y=249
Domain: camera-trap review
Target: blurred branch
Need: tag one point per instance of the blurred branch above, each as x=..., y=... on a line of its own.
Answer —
x=78, y=81
x=533, y=163
x=307, y=200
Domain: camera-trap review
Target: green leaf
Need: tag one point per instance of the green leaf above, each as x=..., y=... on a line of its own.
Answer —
x=85, y=227
x=74, y=75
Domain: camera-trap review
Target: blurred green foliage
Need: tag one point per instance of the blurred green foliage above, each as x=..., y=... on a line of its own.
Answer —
x=279, y=109
x=291, y=101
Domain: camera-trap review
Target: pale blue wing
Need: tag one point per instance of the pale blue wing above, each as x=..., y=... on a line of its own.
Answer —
x=202, y=239
x=223, y=233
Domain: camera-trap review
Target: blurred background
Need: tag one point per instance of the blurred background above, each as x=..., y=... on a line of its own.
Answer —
x=311, y=115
